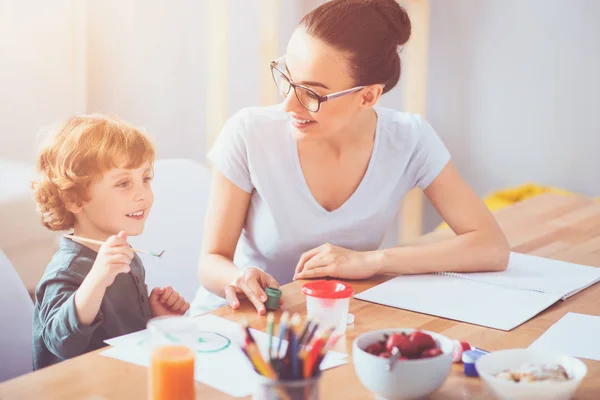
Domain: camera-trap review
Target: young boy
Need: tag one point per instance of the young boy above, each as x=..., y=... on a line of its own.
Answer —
x=95, y=180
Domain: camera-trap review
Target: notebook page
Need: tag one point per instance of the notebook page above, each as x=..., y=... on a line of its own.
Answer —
x=463, y=300
x=541, y=274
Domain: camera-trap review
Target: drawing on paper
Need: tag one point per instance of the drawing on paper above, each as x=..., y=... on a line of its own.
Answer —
x=203, y=342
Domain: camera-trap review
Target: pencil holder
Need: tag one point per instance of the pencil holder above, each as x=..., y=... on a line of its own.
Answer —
x=269, y=389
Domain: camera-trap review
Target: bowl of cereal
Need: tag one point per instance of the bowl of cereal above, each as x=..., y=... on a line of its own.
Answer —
x=528, y=374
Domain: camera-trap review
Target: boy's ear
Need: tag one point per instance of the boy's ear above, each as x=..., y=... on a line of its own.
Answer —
x=74, y=208
x=73, y=204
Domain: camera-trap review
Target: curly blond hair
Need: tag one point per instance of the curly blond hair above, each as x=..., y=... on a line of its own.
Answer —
x=79, y=152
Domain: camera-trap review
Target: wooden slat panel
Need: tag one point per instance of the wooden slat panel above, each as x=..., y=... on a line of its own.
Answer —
x=414, y=76
x=217, y=23
x=269, y=14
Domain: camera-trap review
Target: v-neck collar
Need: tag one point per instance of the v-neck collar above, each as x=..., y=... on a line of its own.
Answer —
x=361, y=186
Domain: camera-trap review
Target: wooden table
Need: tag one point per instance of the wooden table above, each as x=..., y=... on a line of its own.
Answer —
x=564, y=228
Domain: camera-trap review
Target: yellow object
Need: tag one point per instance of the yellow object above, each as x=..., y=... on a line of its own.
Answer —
x=505, y=197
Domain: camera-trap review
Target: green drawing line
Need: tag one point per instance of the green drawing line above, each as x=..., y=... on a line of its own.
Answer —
x=171, y=337
x=200, y=340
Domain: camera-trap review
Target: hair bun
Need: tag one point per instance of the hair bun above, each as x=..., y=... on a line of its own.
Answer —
x=369, y=30
x=397, y=18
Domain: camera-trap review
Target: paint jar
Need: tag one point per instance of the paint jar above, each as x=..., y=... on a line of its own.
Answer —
x=273, y=298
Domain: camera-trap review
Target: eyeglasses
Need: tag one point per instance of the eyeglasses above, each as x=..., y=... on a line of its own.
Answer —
x=308, y=98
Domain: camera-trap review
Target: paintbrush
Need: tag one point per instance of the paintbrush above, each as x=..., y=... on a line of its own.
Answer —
x=100, y=243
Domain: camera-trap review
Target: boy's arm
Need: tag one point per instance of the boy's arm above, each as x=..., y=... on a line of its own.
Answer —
x=88, y=299
x=114, y=257
x=70, y=305
x=62, y=330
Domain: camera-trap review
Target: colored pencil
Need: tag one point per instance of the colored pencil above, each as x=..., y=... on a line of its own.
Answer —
x=306, y=348
x=270, y=320
x=294, y=345
x=256, y=356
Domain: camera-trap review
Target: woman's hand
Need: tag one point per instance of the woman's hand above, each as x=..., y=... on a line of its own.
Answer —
x=250, y=283
x=335, y=261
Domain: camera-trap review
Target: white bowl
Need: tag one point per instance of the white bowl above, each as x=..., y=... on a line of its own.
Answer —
x=409, y=379
x=490, y=364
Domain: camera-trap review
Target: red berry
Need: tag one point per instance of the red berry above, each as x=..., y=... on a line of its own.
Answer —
x=394, y=340
x=385, y=354
x=403, y=343
x=436, y=351
x=375, y=348
x=422, y=340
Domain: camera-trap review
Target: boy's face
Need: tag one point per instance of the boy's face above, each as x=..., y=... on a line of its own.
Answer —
x=120, y=201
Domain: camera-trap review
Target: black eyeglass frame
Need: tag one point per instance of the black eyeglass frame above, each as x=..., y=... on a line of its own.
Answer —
x=320, y=99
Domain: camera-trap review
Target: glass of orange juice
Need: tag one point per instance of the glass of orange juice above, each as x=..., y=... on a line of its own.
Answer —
x=171, y=372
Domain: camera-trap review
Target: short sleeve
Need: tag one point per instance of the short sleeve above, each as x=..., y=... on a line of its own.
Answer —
x=229, y=153
x=430, y=155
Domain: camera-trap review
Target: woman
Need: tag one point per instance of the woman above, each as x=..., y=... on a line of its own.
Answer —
x=307, y=188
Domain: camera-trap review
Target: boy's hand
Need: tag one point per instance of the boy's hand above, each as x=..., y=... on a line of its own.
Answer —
x=114, y=257
x=166, y=301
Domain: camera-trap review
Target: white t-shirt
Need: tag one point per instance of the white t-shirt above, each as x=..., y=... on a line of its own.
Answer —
x=257, y=152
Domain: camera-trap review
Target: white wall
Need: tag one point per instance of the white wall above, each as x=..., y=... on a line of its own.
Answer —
x=146, y=63
x=42, y=80
x=514, y=91
x=40, y=70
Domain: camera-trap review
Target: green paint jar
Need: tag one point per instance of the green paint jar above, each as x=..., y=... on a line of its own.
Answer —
x=273, y=298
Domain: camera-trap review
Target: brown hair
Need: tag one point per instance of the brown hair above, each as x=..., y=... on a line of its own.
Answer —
x=371, y=31
x=79, y=152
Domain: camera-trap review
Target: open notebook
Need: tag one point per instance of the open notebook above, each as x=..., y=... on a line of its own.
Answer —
x=500, y=300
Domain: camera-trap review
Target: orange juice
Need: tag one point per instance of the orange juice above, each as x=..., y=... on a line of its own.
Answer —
x=172, y=373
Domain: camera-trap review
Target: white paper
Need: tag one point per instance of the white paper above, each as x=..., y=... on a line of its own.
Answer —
x=542, y=274
x=574, y=334
x=463, y=300
x=500, y=300
x=215, y=369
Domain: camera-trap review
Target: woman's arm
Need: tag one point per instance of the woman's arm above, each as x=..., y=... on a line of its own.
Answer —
x=227, y=209
x=479, y=244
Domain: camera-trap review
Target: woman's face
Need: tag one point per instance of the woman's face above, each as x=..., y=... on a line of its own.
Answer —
x=313, y=63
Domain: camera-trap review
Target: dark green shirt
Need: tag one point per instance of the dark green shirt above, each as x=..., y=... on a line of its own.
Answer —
x=57, y=332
